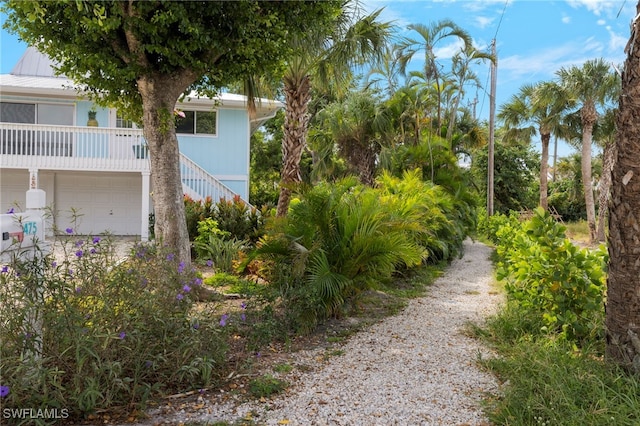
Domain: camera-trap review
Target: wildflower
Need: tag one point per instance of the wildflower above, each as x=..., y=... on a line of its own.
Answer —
x=69, y=230
x=197, y=281
x=122, y=335
x=148, y=364
x=70, y=271
x=93, y=251
x=96, y=240
x=181, y=267
x=243, y=305
x=54, y=264
x=209, y=263
x=5, y=269
x=223, y=320
x=180, y=296
x=10, y=211
x=79, y=243
x=4, y=391
x=196, y=326
x=186, y=288
x=78, y=289
x=79, y=253
x=170, y=257
x=258, y=354
x=243, y=317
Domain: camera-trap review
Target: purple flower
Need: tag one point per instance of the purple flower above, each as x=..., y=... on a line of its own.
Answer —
x=181, y=267
x=69, y=230
x=70, y=271
x=4, y=391
x=243, y=317
x=79, y=243
x=170, y=256
x=180, y=296
x=93, y=251
x=54, y=264
x=209, y=263
x=5, y=269
x=197, y=281
x=96, y=240
x=186, y=288
x=10, y=211
x=148, y=364
x=122, y=335
x=78, y=289
x=79, y=253
x=196, y=326
x=223, y=320
x=243, y=305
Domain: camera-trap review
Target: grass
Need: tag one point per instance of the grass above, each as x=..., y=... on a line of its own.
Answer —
x=578, y=231
x=550, y=382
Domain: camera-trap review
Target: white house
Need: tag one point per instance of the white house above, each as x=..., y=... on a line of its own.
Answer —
x=99, y=168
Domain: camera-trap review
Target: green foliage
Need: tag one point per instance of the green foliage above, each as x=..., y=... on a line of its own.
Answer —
x=211, y=245
x=550, y=382
x=266, y=160
x=341, y=239
x=234, y=219
x=88, y=332
x=516, y=172
x=549, y=276
x=266, y=386
x=214, y=43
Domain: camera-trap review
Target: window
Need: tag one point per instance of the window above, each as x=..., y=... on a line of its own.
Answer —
x=123, y=123
x=61, y=115
x=197, y=122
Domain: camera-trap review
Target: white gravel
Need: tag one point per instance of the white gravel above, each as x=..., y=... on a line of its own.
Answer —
x=415, y=368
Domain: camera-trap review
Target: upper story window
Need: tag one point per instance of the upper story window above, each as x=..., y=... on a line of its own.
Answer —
x=56, y=114
x=123, y=123
x=197, y=123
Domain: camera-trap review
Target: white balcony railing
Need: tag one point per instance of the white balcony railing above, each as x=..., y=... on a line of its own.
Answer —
x=27, y=146
x=72, y=148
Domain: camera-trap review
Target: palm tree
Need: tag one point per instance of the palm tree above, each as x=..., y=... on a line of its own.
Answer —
x=460, y=69
x=357, y=125
x=430, y=36
x=540, y=105
x=623, y=283
x=605, y=133
x=589, y=86
x=322, y=56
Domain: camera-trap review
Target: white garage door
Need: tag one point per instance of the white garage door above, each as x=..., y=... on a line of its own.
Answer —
x=103, y=201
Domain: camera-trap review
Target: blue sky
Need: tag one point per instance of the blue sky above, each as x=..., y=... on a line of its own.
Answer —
x=534, y=38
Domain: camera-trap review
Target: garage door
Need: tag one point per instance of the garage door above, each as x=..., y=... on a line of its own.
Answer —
x=103, y=202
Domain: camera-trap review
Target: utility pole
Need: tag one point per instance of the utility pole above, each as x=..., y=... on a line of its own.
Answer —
x=492, y=113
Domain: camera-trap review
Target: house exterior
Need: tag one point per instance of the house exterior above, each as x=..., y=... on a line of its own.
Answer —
x=93, y=165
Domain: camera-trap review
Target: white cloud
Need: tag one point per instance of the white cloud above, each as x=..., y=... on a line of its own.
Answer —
x=566, y=19
x=617, y=43
x=483, y=22
x=601, y=22
x=598, y=7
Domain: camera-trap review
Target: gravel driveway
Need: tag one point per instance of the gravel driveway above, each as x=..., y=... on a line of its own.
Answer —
x=415, y=368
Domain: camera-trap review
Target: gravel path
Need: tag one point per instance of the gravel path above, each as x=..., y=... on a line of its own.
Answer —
x=415, y=368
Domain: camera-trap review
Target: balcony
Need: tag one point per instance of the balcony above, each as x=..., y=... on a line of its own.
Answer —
x=96, y=149
x=24, y=146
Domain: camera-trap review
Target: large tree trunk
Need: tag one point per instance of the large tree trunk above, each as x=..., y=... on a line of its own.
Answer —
x=604, y=188
x=159, y=97
x=544, y=169
x=588, y=118
x=296, y=125
x=623, y=283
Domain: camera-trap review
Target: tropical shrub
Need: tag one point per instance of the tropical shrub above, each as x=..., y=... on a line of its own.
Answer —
x=344, y=238
x=89, y=332
x=547, y=275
